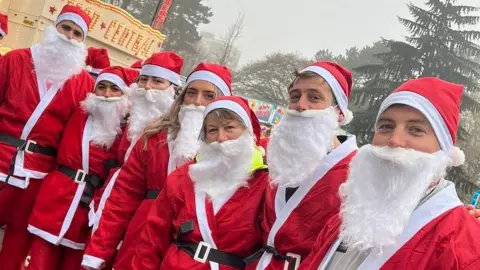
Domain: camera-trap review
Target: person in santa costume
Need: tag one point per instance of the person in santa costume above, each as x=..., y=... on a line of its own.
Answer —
x=59, y=219
x=36, y=100
x=151, y=97
x=167, y=143
x=207, y=216
x=97, y=60
x=398, y=211
x=307, y=164
x=3, y=25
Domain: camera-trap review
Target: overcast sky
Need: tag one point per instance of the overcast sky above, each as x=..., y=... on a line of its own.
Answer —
x=305, y=26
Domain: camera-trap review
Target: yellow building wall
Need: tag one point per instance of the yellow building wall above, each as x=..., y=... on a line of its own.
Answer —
x=125, y=37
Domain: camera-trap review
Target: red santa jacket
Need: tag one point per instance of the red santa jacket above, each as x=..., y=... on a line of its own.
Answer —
x=234, y=228
x=57, y=215
x=29, y=112
x=448, y=241
x=292, y=227
x=127, y=206
x=125, y=146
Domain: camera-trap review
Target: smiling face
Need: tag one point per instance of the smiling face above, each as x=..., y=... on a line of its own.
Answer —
x=108, y=89
x=406, y=127
x=223, y=125
x=71, y=30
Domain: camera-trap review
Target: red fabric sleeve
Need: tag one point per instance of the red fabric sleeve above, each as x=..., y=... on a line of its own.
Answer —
x=156, y=236
x=325, y=239
x=127, y=194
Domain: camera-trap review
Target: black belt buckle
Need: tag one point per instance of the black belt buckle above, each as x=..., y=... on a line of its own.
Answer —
x=80, y=177
x=292, y=261
x=27, y=144
x=201, y=245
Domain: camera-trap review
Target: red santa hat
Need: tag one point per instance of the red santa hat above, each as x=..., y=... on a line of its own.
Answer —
x=439, y=101
x=239, y=106
x=340, y=81
x=166, y=65
x=3, y=25
x=76, y=15
x=97, y=60
x=219, y=75
x=137, y=65
x=120, y=76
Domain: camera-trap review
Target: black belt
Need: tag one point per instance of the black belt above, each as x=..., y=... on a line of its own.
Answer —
x=92, y=182
x=111, y=164
x=292, y=261
x=203, y=252
x=152, y=194
x=28, y=146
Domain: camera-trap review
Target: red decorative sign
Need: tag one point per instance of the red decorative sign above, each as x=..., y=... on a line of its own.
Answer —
x=161, y=15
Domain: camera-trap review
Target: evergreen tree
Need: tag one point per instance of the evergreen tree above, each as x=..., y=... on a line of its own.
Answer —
x=181, y=25
x=439, y=46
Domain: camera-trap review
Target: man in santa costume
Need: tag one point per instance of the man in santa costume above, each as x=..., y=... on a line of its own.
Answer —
x=97, y=60
x=398, y=211
x=3, y=25
x=167, y=143
x=211, y=205
x=59, y=219
x=307, y=164
x=36, y=100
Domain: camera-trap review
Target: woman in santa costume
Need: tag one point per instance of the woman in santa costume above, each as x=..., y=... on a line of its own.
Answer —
x=167, y=143
x=207, y=216
x=36, y=100
x=59, y=219
x=97, y=60
x=398, y=211
x=151, y=96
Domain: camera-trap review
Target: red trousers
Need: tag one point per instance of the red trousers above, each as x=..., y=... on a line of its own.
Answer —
x=15, y=207
x=47, y=256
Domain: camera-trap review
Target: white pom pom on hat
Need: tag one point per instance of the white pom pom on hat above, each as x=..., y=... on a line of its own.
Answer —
x=457, y=156
x=347, y=118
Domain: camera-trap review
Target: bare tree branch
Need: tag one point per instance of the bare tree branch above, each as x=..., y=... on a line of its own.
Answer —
x=268, y=79
x=230, y=38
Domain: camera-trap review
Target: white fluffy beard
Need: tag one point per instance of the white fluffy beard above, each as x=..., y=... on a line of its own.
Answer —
x=384, y=187
x=59, y=58
x=223, y=167
x=107, y=114
x=147, y=106
x=299, y=144
x=186, y=144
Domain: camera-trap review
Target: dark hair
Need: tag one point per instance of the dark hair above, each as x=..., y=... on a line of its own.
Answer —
x=310, y=75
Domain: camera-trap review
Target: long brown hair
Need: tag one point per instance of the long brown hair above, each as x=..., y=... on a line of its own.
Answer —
x=167, y=122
